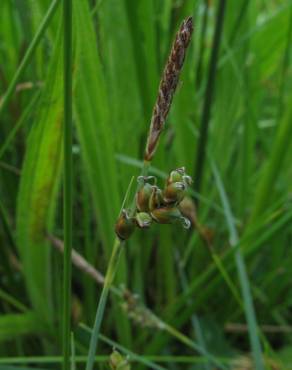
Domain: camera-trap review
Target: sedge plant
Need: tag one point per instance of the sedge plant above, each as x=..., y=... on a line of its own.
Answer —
x=167, y=87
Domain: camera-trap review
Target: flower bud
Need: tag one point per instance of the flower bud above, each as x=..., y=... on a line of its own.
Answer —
x=156, y=198
x=174, y=193
x=143, y=195
x=143, y=220
x=170, y=215
x=176, y=176
x=125, y=225
x=118, y=362
x=179, y=175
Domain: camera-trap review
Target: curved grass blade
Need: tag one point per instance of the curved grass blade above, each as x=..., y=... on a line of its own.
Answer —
x=12, y=326
x=27, y=57
x=38, y=185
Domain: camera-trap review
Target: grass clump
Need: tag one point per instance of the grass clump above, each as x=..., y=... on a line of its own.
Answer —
x=216, y=295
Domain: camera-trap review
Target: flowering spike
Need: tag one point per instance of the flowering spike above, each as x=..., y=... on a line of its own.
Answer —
x=185, y=222
x=125, y=226
x=176, y=175
x=143, y=195
x=169, y=215
x=156, y=198
x=143, y=220
x=168, y=85
x=118, y=362
x=174, y=193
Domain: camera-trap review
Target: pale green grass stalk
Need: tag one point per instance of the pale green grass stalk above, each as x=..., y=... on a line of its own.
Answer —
x=73, y=354
x=29, y=53
x=242, y=273
x=68, y=179
x=111, y=270
x=109, y=277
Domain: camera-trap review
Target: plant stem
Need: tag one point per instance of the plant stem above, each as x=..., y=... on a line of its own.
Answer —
x=110, y=274
x=67, y=19
x=27, y=57
x=200, y=158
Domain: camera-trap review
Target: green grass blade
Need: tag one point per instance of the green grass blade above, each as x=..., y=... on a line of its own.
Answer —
x=73, y=354
x=273, y=167
x=113, y=263
x=124, y=350
x=200, y=157
x=94, y=125
x=68, y=179
x=38, y=186
x=14, y=325
x=29, y=53
x=242, y=273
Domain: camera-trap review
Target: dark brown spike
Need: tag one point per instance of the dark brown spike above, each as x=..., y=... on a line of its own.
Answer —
x=168, y=85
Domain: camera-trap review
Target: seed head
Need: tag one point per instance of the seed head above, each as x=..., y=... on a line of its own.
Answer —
x=125, y=226
x=168, y=85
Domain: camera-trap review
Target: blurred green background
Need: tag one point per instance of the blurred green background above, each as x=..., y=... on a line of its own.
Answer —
x=232, y=113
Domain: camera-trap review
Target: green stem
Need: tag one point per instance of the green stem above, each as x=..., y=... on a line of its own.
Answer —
x=110, y=274
x=200, y=158
x=111, y=270
x=67, y=19
x=27, y=57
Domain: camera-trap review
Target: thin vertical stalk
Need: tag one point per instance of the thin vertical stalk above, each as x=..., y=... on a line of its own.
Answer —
x=200, y=158
x=67, y=19
x=110, y=274
x=27, y=57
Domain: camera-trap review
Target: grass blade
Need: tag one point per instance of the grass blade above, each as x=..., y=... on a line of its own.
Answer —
x=38, y=186
x=68, y=178
x=242, y=273
x=29, y=53
x=14, y=325
x=200, y=158
x=273, y=167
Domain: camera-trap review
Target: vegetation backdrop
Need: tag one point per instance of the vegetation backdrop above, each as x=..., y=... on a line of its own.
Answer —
x=205, y=298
